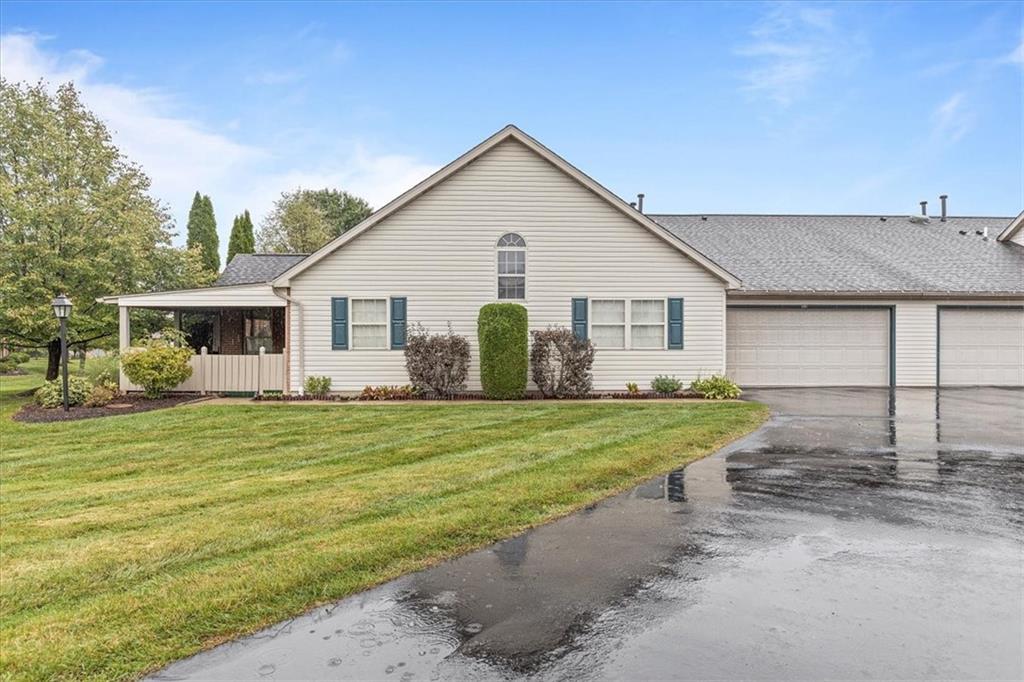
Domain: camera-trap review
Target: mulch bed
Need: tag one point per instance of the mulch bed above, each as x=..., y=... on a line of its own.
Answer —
x=125, y=404
x=531, y=395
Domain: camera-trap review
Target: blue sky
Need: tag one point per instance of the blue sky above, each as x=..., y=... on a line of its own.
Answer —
x=745, y=107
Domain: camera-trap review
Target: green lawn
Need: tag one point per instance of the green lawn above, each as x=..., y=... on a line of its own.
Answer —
x=130, y=541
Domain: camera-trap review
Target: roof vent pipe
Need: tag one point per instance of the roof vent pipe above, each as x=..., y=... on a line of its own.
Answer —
x=640, y=202
x=924, y=208
x=942, y=198
x=632, y=204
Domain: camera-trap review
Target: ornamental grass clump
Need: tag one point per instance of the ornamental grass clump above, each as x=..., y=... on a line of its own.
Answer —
x=160, y=364
x=560, y=363
x=437, y=363
x=504, y=350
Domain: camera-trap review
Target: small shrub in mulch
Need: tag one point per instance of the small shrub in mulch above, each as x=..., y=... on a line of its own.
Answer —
x=126, y=404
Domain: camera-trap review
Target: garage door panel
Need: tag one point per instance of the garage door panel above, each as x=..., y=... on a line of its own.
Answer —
x=808, y=346
x=981, y=347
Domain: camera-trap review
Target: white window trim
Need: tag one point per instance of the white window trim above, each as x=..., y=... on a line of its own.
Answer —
x=628, y=323
x=526, y=269
x=352, y=324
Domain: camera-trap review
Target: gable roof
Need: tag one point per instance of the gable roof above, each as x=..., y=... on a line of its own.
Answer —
x=857, y=254
x=252, y=268
x=507, y=133
x=1013, y=228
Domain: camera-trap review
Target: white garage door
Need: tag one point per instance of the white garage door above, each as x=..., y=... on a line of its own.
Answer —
x=808, y=346
x=981, y=347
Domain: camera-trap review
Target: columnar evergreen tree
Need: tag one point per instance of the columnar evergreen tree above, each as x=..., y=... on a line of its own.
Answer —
x=242, y=239
x=202, y=231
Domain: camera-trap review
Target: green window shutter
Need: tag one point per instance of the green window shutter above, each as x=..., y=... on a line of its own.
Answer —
x=398, y=323
x=675, y=323
x=579, y=318
x=339, y=323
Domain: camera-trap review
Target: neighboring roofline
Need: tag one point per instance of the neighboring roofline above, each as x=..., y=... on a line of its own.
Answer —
x=791, y=294
x=114, y=299
x=825, y=215
x=506, y=133
x=1012, y=229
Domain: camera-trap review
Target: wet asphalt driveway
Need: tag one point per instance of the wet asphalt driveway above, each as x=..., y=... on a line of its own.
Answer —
x=857, y=535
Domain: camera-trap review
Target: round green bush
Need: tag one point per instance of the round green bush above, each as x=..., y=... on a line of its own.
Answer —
x=158, y=367
x=51, y=394
x=504, y=350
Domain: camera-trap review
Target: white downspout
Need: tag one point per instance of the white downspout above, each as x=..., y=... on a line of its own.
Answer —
x=301, y=355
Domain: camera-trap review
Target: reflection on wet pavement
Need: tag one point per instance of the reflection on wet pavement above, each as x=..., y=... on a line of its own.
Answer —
x=860, y=533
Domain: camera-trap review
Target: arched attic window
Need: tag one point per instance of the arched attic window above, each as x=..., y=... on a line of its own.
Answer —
x=511, y=267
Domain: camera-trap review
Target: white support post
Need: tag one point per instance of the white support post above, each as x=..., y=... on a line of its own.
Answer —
x=202, y=370
x=124, y=340
x=259, y=372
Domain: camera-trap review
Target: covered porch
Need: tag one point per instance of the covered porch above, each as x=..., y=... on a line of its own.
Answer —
x=238, y=335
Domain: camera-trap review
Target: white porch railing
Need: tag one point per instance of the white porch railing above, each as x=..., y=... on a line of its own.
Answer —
x=228, y=374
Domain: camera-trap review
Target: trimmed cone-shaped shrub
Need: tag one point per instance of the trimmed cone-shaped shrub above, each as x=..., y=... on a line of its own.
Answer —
x=504, y=350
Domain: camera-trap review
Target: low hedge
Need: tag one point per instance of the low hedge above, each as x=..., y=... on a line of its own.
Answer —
x=504, y=350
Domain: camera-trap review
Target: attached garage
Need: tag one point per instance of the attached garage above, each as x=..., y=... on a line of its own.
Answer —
x=809, y=346
x=981, y=346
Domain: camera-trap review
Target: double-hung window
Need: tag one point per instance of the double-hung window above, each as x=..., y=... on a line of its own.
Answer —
x=369, y=323
x=608, y=323
x=627, y=324
x=511, y=267
x=647, y=323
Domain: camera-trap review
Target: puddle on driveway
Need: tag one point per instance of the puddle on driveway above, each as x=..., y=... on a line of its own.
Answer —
x=860, y=533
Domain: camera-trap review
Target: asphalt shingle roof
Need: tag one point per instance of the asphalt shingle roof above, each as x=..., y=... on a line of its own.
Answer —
x=253, y=268
x=890, y=254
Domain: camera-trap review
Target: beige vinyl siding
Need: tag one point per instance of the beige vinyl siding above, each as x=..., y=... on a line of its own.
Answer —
x=916, y=328
x=440, y=252
x=915, y=343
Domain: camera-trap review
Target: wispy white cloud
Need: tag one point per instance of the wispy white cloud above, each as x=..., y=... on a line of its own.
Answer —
x=792, y=46
x=1016, y=56
x=952, y=119
x=179, y=154
x=182, y=154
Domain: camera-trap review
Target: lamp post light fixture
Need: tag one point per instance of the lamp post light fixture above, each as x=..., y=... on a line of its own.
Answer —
x=62, y=309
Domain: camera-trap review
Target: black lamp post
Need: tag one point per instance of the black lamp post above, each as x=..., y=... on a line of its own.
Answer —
x=62, y=309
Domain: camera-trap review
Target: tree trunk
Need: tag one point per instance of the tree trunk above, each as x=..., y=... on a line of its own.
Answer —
x=53, y=361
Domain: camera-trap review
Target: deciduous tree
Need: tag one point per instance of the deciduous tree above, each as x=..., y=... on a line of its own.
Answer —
x=304, y=220
x=75, y=217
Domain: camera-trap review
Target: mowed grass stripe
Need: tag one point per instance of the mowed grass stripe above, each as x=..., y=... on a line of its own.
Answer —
x=328, y=509
x=214, y=468
x=89, y=562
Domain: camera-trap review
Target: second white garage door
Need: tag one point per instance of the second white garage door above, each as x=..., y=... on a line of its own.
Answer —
x=808, y=346
x=981, y=347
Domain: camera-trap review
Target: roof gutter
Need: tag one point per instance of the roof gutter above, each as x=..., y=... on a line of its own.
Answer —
x=903, y=295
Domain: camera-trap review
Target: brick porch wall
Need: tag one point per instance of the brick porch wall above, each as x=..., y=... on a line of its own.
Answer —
x=232, y=332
